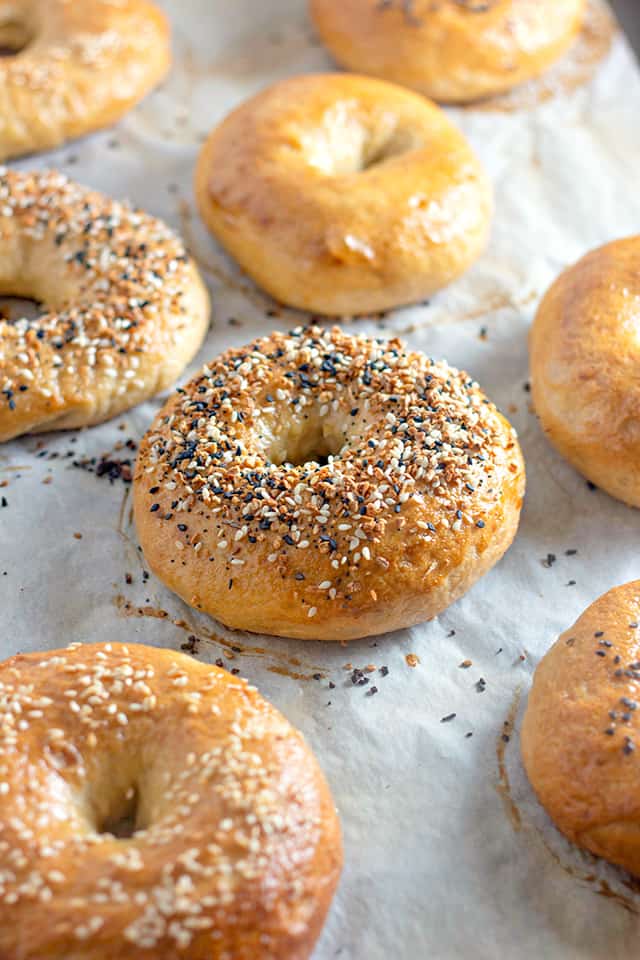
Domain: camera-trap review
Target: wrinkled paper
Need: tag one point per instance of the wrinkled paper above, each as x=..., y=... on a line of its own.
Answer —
x=447, y=853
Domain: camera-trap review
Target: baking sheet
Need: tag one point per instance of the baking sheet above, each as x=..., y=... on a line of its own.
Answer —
x=447, y=853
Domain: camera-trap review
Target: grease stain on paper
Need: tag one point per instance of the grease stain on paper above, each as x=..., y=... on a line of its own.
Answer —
x=281, y=664
x=503, y=785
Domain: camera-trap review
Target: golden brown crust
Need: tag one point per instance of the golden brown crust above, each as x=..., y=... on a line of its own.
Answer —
x=238, y=849
x=452, y=50
x=344, y=195
x=420, y=496
x=585, y=357
x=84, y=65
x=125, y=307
x=580, y=741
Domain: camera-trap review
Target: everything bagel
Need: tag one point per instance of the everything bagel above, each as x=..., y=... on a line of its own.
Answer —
x=321, y=485
x=125, y=309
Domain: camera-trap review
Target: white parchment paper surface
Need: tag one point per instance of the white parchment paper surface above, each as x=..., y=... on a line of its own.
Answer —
x=447, y=853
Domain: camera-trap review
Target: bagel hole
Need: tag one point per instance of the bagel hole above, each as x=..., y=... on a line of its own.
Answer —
x=300, y=454
x=305, y=441
x=121, y=817
x=13, y=309
x=314, y=456
x=14, y=38
x=347, y=144
x=377, y=152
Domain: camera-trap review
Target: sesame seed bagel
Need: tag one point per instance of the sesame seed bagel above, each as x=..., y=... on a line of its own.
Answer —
x=154, y=806
x=320, y=485
x=344, y=195
x=581, y=729
x=125, y=309
x=585, y=356
x=78, y=66
x=454, y=51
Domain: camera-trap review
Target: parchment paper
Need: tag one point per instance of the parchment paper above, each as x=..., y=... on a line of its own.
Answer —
x=447, y=853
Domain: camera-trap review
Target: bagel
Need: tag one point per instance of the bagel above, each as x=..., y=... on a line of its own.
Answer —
x=344, y=195
x=584, y=367
x=125, y=307
x=78, y=66
x=454, y=51
x=580, y=730
x=152, y=805
x=320, y=485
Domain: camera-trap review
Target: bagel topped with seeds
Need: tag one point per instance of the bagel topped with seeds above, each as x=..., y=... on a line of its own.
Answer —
x=76, y=67
x=321, y=485
x=581, y=730
x=154, y=806
x=125, y=309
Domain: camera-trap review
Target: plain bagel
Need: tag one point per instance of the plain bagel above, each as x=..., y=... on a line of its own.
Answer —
x=154, y=806
x=125, y=308
x=585, y=356
x=580, y=734
x=321, y=485
x=454, y=51
x=78, y=66
x=344, y=195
